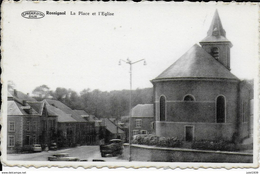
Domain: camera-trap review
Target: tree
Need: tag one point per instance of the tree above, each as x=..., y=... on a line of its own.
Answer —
x=11, y=86
x=41, y=92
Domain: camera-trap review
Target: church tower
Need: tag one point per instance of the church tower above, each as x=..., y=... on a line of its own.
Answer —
x=216, y=43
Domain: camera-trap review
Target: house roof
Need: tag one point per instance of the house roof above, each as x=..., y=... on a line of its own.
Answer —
x=13, y=109
x=86, y=116
x=9, y=95
x=80, y=112
x=216, y=32
x=16, y=108
x=65, y=109
x=143, y=110
x=62, y=116
x=112, y=127
x=37, y=106
x=21, y=96
x=196, y=63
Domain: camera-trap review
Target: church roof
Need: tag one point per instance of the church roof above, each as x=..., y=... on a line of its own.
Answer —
x=216, y=32
x=196, y=63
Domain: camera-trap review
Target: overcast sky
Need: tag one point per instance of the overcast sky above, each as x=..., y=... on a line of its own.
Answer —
x=80, y=52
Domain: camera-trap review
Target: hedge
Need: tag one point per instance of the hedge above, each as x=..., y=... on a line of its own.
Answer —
x=156, y=140
x=214, y=145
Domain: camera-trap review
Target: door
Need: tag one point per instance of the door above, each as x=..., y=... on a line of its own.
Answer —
x=189, y=133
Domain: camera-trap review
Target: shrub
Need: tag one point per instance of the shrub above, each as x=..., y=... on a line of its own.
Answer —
x=156, y=141
x=214, y=145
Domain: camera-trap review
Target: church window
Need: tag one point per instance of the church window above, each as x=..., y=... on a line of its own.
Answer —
x=162, y=108
x=221, y=109
x=189, y=98
x=215, y=52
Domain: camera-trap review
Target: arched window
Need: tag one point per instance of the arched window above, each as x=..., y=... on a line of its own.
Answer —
x=215, y=52
x=162, y=108
x=221, y=109
x=189, y=98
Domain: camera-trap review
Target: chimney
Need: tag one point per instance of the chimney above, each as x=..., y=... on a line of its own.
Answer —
x=15, y=93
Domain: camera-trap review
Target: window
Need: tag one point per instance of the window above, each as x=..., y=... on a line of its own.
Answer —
x=221, y=109
x=215, y=52
x=28, y=125
x=11, y=141
x=189, y=98
x=138, y=123
x=143, y=132
x=135, y=132
x=162, y=108
x=11, y=126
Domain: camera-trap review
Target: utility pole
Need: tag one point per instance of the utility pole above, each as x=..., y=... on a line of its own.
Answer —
x=128, y=61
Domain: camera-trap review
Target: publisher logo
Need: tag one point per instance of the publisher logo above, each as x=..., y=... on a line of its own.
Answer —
x=32, y=14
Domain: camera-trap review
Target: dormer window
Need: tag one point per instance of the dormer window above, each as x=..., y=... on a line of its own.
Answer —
x=215, y=52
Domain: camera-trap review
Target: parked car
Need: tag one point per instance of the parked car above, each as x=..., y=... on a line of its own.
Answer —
x=114, y=148
x=36, y=148
x=53, y=146
x=62, y=157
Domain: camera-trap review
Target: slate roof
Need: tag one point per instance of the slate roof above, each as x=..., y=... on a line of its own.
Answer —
x=9, y=95
x=21, y=96
x=62, y=116
x=13, y=109
x=65, y=109
x=85, y=115
x=37, y=106
x=196, y=63
x=143, y=110
x=16, y=108
x=216, y=32
x=80, y=112
x=112, y=127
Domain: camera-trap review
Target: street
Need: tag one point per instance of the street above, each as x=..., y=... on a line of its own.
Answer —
x=88, y=153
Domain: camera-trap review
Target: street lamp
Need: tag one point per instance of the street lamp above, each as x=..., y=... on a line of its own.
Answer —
x=128, y=61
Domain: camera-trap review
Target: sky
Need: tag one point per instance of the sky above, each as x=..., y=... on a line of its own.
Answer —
x=80, y=52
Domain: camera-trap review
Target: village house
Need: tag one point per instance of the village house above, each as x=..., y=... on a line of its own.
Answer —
x=142, y=119
x=110, y=130
x=198, y=98
x=27, y=123
x=82, y=131
x=91, y=132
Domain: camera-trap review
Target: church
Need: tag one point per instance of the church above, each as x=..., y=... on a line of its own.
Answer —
x=198, y=98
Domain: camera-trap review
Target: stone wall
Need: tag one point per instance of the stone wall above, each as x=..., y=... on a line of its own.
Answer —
x=160, y=154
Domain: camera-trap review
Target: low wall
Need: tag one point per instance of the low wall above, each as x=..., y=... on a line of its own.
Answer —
x=161, y=154
x=202, y=131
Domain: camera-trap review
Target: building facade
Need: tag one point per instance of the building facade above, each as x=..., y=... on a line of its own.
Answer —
x=198, y=98
x=142, y=119
x=28, y=123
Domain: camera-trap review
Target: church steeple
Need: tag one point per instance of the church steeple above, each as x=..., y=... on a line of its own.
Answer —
x=216, y=43
x=216, y=28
